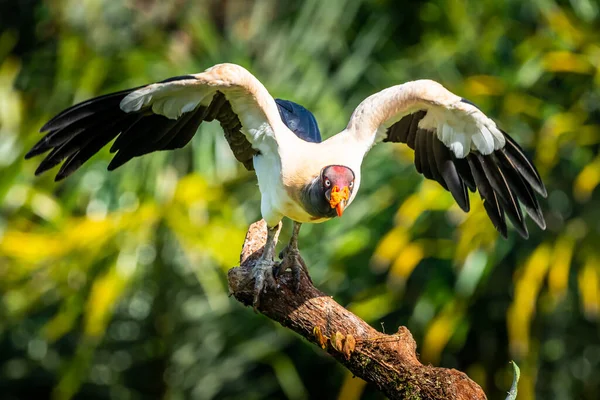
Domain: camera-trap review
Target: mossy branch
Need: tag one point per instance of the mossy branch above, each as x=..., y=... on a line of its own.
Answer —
x=388, y=361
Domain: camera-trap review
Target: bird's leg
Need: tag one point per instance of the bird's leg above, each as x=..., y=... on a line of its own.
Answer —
x=291, y=259
x=263, y=269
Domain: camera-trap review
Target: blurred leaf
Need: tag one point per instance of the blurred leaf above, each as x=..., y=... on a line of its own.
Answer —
x=105, y=292
x=527, y=287
x=512, y=393
x=440, y=330
x=558, y=275
x=484, y=85
x=589, y=287
x=563, y=61
x=352, y=388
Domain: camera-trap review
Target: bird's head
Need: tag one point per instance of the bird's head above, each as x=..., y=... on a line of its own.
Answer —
x=337, y=183
x=328, y=193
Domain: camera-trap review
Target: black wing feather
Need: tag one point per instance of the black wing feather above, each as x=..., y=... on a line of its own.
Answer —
x=521, y=188
x=398, y=133
x=134, y=139
x=85, y=109
x=77, y=159
x=505, y=196
x=82, y=130
x=420, y=154
x=462, y=166
x=412, y=128
x=505, y=179
x=433, y=169
x=447, y=168
x=526, y=169
x=187, y=132
x=162, y=142
x=490, y=199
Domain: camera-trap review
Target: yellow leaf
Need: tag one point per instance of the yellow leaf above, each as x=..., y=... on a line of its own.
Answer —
x=63, y=321
x=352, y=388
x=349, y=346
x=484, y=85
x=32, y=247
x=587, y=180
x=476, y=231
x=193, y=188
x=564, y=61
x=562, y=25
x=375, y=306
x=527, y=288
x=558, y=277
x=430, y=196
x=321, y=339
x=410, y=210
x=389, y=247
x=521, y=103
x=407, y=260
x=561, y=123
x=104, y=295
x=589, y=287
x=440, y=331
x=337, y=341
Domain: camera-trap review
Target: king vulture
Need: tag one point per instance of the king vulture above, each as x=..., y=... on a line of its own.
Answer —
x=301, y=177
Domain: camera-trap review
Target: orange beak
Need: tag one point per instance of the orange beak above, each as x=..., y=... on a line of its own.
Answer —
x=338, y=199
x=339, y=209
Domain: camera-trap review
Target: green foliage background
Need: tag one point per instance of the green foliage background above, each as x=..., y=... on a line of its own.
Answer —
x=112, y=286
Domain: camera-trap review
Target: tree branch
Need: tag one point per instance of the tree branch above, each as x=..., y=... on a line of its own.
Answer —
x=388, y=361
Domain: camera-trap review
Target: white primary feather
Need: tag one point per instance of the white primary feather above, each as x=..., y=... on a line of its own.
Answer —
x=460, y=143
x=483, y=140
x=499, y=139
x=135, y=101
x=463, y=132
x=485, y=135
x=166, y=99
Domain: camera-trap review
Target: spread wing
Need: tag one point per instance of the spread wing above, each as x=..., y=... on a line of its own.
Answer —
x=457, y=145
x=164, y=116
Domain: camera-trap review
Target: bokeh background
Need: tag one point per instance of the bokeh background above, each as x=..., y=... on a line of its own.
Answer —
x=112, y=286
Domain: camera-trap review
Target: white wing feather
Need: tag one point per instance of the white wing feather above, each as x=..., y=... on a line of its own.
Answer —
x=462, y=127
x=249, y=99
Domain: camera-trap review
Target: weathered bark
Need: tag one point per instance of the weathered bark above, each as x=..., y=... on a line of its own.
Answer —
x=388, y=361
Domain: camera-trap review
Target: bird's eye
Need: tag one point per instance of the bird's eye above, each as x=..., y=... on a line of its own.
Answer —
x=327, y=182
x=351, y=184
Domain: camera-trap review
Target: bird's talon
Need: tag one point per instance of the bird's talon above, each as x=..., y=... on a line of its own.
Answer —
x=293, y=261
x=277, y=270
x=264, y=279
x=283, y=253
x=296, y=281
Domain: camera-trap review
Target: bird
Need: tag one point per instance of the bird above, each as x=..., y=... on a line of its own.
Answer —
x=300, y=176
